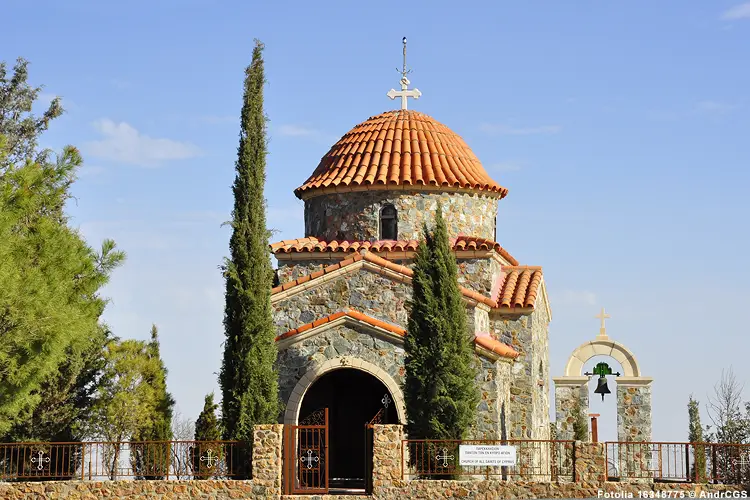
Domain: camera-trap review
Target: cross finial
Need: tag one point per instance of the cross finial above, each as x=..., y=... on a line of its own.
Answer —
x=603, y=330
x=404, y=93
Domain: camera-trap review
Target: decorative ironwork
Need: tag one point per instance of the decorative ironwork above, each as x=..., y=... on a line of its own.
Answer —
x=378, y=418
x=386, y=401
x=687, y=462
x=210, y=459
x=444, y=457
x=102, y=460
x=306, y=455
x=537, y=460
x=309, y=459
x=39, y=459
x=318, y=417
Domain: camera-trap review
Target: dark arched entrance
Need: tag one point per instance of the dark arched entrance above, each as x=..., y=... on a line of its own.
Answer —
x=353, y=397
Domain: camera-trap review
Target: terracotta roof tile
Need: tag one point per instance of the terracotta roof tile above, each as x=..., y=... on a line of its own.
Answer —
x=398, y=148
x=518, y=286
x=312, y=244
x=497, y=347
x=486, y=342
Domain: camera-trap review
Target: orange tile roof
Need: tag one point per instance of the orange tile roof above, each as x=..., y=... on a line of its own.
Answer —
x=497, y=347
x=400, y=148
x=517, y=286
x=312, y=244
x=488, y=343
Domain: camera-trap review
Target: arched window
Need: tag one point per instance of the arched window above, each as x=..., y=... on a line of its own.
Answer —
x=388, y=223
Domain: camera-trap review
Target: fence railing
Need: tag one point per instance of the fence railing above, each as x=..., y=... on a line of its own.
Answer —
x=111, y=460
x=679, y=462
x=536, y=460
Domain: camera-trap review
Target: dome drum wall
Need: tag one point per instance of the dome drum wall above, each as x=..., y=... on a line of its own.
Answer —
x=356, y=216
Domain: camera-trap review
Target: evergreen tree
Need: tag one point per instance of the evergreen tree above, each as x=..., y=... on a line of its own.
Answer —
x=127, y=403
x=440, y=381
x=151, y=461
x=21, y=128
x=206, y=429
x=695, y=435
x=51, y=352
x=248, y=379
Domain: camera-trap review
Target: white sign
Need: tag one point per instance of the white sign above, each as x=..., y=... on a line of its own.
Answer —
x=487, y=455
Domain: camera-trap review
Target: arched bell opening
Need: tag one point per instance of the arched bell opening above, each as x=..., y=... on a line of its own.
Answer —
x=605, y=407
x=354, y=398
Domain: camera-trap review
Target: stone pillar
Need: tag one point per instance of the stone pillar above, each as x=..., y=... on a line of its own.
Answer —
x=386, y=458
x=590, y=463
x=567, y=391
x=267, y=462
x=634, y=424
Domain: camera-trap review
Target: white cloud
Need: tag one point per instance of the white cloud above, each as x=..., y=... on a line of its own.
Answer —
x=500, y=129
x=297, y=131
x=741, y=11
x=123, y=143
x=578, y=297
x=714, y=107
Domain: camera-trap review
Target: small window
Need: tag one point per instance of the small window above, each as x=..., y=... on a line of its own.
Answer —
x=388, y=223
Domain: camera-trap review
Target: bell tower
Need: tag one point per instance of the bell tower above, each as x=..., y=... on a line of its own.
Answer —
x=633, y=390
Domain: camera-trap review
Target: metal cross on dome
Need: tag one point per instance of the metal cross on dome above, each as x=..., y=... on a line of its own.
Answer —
x=404, y=93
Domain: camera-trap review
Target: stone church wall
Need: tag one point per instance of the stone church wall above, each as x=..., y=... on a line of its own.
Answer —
x=345, y=216
x=339, y=341
x=367, y=292
x=529, y=393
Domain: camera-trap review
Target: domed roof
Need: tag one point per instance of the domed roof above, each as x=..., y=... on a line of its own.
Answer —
x=397, y=150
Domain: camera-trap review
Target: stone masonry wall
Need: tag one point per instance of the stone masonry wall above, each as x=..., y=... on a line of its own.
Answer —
x=529, y=399
x=388, y=481
x=476, y=274
x=633, y=413
x=355, y=216
x=367, y=292
x=565, y=399
x=296, y=360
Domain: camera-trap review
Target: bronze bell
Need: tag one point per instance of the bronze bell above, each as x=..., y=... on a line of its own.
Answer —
x=601, y=387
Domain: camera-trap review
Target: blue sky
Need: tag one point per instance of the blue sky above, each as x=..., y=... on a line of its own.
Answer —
x=621, y=130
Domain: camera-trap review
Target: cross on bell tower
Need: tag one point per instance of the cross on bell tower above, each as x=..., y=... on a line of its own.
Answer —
x=404, y=93
x=603, y=316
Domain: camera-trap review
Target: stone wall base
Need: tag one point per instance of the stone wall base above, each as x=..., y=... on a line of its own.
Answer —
x=398, y=490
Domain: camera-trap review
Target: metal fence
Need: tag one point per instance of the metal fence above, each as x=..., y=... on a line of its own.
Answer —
x=536, y=460
x=679, y=462
x=135, y=460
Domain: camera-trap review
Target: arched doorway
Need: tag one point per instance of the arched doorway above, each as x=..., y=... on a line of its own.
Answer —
x=353, y=398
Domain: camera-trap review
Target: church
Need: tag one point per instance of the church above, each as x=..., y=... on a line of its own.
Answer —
x=340, y=305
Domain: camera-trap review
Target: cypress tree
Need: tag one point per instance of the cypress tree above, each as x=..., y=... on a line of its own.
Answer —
x=206, y=429
x=440, y=382
x=248, y=380
x=695, y=435
x=151, y=461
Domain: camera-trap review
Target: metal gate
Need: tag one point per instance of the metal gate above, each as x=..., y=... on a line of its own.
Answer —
x=306, y=455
